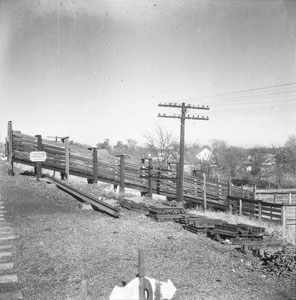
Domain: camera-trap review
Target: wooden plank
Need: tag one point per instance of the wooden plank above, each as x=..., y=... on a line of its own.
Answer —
x=67, y=158
x=6, y=266
x=22, y=135
x=101, y=205
x=10, y=149
x=11, y=278
x=270, y=210
x=277, y=221
x=53, y=148
x=5, y=229
x=5, y=247
x=5, y=254
x=290, y=222
x=7, y=238
x=278, y=191
x=15, y=295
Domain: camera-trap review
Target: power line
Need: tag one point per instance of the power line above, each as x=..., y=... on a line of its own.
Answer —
x=236, y=93
x=184, y=108
x=248, y=98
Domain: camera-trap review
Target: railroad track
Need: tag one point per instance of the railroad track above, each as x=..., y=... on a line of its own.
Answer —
x=81, y=196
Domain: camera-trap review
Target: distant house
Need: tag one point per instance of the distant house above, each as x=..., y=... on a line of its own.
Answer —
x=204, y=154
x=268, y=161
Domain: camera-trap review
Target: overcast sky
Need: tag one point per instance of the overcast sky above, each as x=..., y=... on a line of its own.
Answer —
x=96, y=70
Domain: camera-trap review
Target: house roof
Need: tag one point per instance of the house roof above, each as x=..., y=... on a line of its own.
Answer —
x=269, y=159
x=204, y=148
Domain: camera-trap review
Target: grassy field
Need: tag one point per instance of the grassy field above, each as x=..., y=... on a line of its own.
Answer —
x=66, y=253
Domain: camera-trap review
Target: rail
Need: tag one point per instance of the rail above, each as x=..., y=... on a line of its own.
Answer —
x=96, y=203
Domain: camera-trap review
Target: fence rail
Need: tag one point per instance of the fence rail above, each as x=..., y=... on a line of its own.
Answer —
x=288, y=196
x=88, y=163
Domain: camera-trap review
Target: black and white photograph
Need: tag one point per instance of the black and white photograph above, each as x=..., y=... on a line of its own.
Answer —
x=148, y=149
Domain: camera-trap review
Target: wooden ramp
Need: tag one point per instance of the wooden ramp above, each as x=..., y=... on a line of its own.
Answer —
x=96, y=203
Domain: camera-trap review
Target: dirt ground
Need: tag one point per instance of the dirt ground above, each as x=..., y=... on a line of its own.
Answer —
x=63, y=252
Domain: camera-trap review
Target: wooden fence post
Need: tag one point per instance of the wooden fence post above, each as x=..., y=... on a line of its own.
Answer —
x=195, y=186
x=141, y=274
x=150, y=179
x=38, y=163
x=229, y=194
x=194, y=175
x=204, y=191
x=229, y=187
x=122, y=174
x=283, y=215
x=260, y=211
x=219, y=189
x=177, y=183
x=95, y=164
x=67, y=157
x=240, y=207
x=9, y=149
x=254, y=192
x=158, y=182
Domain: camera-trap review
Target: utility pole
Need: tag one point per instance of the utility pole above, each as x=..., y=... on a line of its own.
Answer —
x=184, y=108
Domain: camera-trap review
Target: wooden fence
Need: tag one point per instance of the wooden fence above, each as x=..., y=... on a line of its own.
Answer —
x=265, y=211
x=287, y=196
x=92, y=165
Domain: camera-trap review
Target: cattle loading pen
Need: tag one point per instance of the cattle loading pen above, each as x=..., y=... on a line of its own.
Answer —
x=87, y=163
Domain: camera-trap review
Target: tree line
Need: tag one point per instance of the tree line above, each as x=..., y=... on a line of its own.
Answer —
x=261, y=166
x=264, y=167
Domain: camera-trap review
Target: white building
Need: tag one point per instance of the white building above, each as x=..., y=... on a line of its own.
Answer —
x=204, y=155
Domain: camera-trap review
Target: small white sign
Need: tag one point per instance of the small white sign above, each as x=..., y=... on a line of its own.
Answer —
x=37, y=156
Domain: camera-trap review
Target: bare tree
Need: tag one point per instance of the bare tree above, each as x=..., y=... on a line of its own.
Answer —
x=291, y=154
x=104, y=145
x=257, y=158
x=162, y=145
x=228, y=159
